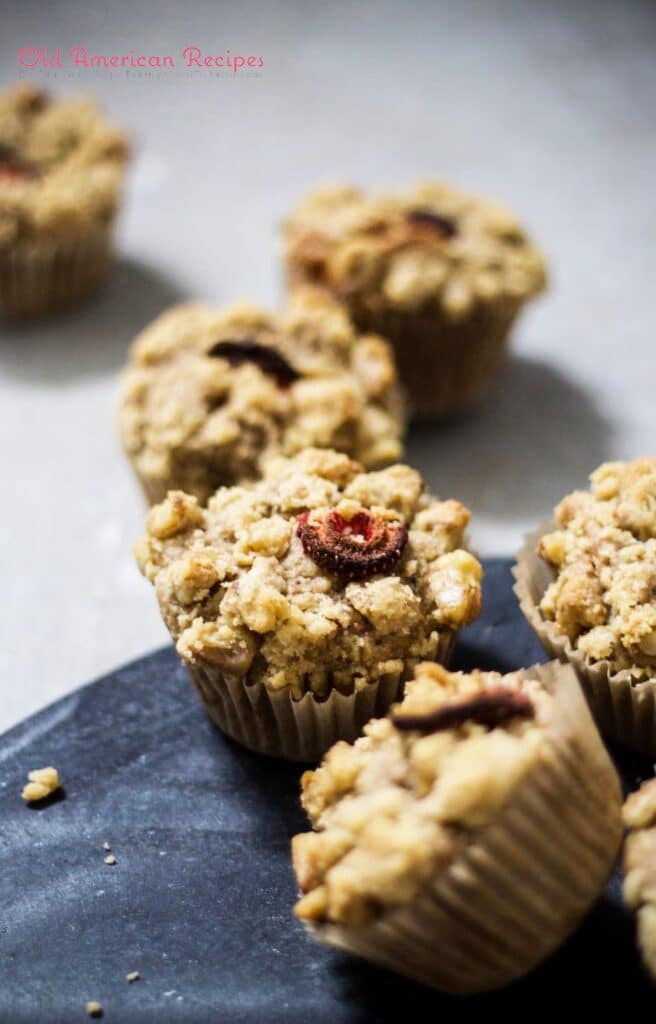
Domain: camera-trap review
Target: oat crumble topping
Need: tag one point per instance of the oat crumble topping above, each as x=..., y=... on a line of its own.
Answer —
x=434, y=247
x=42, y=782
x=237, y=589
x=603, y=597
x=397, y=806
x=196, y=415
x=639, y=814
x=61, y=165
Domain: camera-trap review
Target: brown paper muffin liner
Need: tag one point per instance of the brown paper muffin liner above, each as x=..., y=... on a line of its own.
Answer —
x=445, y=366
x=515, y=891
x=625, y=710
x=41, y=277
x=270, y=722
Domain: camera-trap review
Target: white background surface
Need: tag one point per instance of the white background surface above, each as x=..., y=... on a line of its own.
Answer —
x=547, y=106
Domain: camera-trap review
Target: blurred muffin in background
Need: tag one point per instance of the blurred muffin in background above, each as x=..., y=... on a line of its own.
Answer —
x=210, y=395
x=441, y=274
x=61, y=171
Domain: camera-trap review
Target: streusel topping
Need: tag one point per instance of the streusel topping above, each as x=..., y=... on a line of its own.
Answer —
x=210, y=396
x=639, y=888
x=397, y=806
x=237, y=589
x=434, y=247
x=604, y=595
x=61, y=165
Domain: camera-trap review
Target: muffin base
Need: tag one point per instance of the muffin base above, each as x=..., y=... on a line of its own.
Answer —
x=511, y=895
x=625, y=710
x=272, y=723
x=446, y=366
x=41, y=277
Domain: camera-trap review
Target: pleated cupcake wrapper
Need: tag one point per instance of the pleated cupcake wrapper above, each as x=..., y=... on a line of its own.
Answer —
x=625, y=710
x=40, y=277
x=272, y=723
x=446, y=366
x=518, y=887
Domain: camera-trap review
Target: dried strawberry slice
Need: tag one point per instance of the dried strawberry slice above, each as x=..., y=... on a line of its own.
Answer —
x=489, y=707
x=443, y=226
x=355, y=548
x=267, y=359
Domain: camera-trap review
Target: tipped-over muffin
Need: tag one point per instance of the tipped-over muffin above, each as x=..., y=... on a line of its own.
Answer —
x=441, y=274
x=589, y=589
x=462, y=838
x=210, y=396
x=301, y=603
x=639, y=814
x=61, y=171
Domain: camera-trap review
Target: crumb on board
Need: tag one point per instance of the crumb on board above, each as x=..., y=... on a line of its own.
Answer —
x=42, y=782
x=111, y=860
x=132, y=976
x=94, y=1008
x=106, y=846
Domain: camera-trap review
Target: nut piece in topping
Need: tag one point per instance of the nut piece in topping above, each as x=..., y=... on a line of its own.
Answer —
x=42, y=782
x=355, y=548
x=111, y=860
x=267, y=359
x=444, y=226
x=492, y=706
x=132, y=976
x=94, y=1008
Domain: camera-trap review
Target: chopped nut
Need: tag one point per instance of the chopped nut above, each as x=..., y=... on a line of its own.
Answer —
x=94, y=1008
x=111, y=860
x=132, y=976
x=43, y=782
x=106, y=846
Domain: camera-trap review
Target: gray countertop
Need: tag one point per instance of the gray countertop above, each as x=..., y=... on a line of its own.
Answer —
x=547, y=106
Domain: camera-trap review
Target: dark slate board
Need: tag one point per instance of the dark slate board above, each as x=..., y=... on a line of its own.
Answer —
x=200, y=899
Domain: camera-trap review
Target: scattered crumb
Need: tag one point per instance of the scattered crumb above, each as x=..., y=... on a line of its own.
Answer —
x=132, y=976
x=94, y=1008
x=110, y=860
x=42, y=782
x=106, y=846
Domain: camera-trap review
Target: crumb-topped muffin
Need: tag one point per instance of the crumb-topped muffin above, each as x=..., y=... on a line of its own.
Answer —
x=61, y=169
x=595, y=603
x=639, y=814
x=301, y=603
x=211, y=395
x=439, y=273
x=460, y=839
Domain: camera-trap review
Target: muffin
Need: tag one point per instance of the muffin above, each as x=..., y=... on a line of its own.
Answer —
x=61, y=170
x=210, y=396
x=587, y=585
x=640, y=867
x=302, y=602
x=441, y=274
x=461, y=839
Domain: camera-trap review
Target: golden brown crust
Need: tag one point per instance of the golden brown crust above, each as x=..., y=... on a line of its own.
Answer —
x=195, y=421
x=237, y=589
x=70, y=162
x=603, y=597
